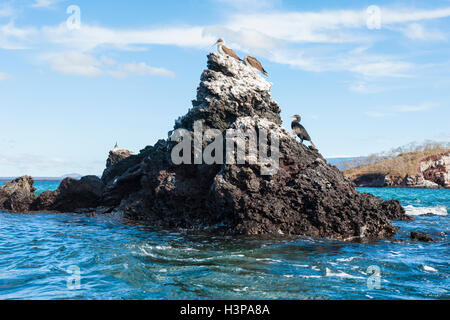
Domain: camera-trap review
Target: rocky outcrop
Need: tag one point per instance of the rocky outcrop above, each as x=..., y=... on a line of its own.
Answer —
x=305, y=197
x=17, y=195
x=430, y=172
x=45, y=201
x=112, y=168
x=435, y=170
x=75, y=194
x=290, y=192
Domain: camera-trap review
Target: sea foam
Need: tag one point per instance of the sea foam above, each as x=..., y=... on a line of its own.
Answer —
x=417, y=211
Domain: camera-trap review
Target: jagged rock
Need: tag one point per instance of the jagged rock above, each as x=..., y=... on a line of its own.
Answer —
x=115, y=156
x=19, y=201
x=45, y=201
x=394, y=211
x=17, y=195
x=75, y=194
x=117, y=163
x=23, y=183
x=229, y=90
x=421, y=236
x=435, y=170
x=305, y=197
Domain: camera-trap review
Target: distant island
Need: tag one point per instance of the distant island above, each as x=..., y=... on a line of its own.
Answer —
x=424, y=166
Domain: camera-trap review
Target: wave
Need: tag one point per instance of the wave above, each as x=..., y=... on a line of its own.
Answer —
x=417, y=211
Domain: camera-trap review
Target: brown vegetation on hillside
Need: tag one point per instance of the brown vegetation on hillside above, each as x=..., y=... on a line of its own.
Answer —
x=400, y=162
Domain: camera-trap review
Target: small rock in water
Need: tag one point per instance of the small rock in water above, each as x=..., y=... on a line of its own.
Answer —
x=429, y=214
x=421, y=236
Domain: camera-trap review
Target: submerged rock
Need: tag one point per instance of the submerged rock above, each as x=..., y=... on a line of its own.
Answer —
x=421, y=236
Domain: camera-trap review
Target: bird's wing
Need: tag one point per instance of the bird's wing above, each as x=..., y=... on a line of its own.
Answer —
x=256, y=64
x=230, y=52
x=296, y=129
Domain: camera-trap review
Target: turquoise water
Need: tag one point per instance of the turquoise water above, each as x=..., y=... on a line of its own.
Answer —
x=41, y=254
x=42, y=186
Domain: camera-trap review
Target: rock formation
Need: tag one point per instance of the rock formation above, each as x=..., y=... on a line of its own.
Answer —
x=17, y=195
x=304, y=196
x=421, y=236
x=115, y=156
x=428, y=172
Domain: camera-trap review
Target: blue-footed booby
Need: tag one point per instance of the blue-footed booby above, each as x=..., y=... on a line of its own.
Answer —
x=255, y=64
x=222, y=49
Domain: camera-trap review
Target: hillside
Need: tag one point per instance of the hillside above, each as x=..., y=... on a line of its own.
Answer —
x=425, y=168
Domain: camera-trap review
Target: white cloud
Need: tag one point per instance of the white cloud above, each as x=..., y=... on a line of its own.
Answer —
x=44, y=3
x=408, y=15
x=386, y=68
x=417, y=31
x=90, y=37
x=247, y=31
x=6, y=10
x=401, y=109
x=82, y=64
x=75, y=63
x=13, y=38
x=142, y=69
x=249, y=5
x=5, y=76
x=414, y=108
x=281, y=37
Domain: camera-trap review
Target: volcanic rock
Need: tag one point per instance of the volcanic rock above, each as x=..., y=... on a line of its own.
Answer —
x=305, y=197
x=421, y=236
x=17, y=195
x=284, y=188
x=113, y=169
x=45, y=201
x=75, y=194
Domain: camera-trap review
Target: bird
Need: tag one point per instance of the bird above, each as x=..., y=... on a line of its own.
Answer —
x=222, y=49
x=255, y=64
x=299, y=130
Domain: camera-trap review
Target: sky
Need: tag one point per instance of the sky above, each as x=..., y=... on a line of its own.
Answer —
x=366, y=76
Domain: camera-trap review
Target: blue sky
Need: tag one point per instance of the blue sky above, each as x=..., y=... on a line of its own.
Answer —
x=67, y=95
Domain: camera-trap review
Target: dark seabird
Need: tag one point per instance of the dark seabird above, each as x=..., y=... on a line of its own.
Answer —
x=299, y=130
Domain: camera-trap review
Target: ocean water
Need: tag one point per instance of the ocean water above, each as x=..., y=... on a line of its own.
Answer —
x=42, y=186
x=68, y=256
